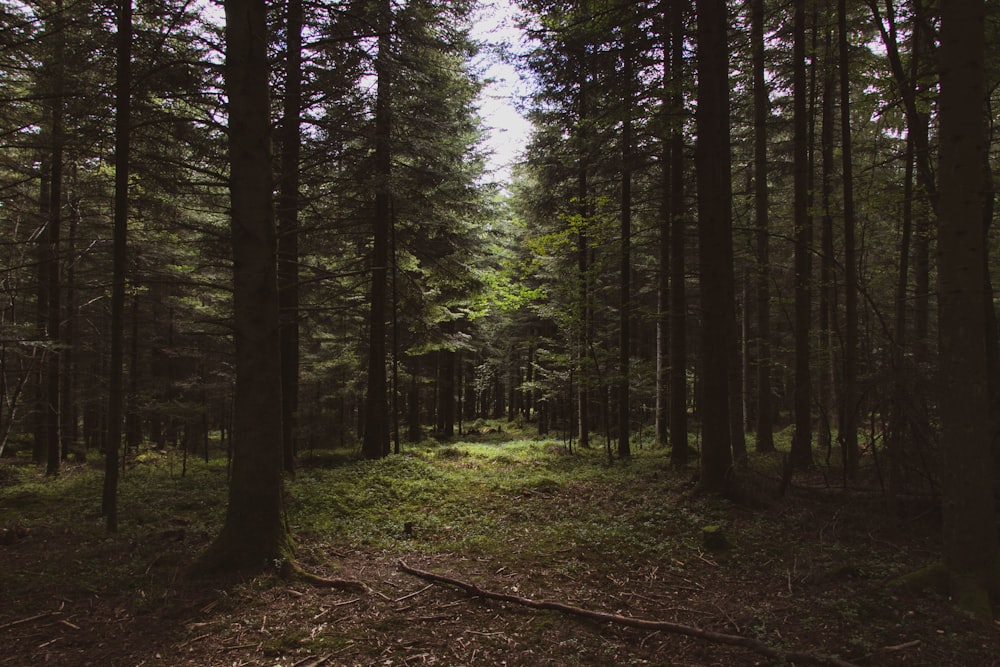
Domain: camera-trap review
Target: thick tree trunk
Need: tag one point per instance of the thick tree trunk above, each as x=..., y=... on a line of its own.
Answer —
x=254, y=534
x=715, y=241
x=971, y=550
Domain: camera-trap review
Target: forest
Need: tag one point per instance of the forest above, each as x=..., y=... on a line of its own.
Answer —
x=292, y=374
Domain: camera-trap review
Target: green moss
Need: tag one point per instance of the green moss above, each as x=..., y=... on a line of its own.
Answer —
x=932, y=578
x=971, y=594
x=714, y=539
x=971, y=597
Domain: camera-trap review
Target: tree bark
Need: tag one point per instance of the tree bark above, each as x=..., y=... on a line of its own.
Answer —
x=971, y=550
x=849, y=392
x=53, y=259
x=678, y=285
x=625, y=269
x=288, y=231
x=663, y=244
x=254, y=534
x=917, y=124
x=109, y=504
x=827, y=295
x=376, y=436
x=761, y=109
x=584, y=361
x=801, y=454
x=715, y=241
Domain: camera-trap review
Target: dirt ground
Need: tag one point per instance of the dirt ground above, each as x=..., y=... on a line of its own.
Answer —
x=808, y=574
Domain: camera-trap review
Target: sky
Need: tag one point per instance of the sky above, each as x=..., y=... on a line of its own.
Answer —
x=507, y=129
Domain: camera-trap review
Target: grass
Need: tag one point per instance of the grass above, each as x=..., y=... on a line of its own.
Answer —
x=478, y=497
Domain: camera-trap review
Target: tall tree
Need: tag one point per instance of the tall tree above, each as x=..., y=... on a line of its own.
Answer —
x=53, y=257
x=801, y=454
x=761, y=109
x=662, y=411
x=971, y=550
x=376, y=436
x=287, y=212
x=625, y=216
x=917, y=128
x=254, y=533
x=123, y=97
x=715, y=240
x=849, y=392
x=678, y=227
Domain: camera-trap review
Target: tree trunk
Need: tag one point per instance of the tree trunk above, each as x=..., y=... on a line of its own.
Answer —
x=662, y=414
x=761, y=109
x=827, y=294
x=70, y=332
x=849, y=392
x=917, y=128
x=715, y=241
x=971, y=549
x=109, y=504
x=446, y=393
x=39, y=397
x=801, y=454
x=992, y=334
x=414, y=432
x=254, y=534
x=288, y=231
x=678, y=285
x=376, y=438
x=133, y=422
x=625, y=270
x=584, y=360
x=661, y=424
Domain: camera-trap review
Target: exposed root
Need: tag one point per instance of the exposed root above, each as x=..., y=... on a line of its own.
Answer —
x=292, y=571
x=628, y=621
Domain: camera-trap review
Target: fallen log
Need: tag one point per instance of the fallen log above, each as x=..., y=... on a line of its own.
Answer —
x=748, y=643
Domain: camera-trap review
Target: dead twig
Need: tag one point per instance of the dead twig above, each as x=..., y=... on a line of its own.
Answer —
x=29, y=619
x=645, y=624
x=414, y=593
x=901, y=647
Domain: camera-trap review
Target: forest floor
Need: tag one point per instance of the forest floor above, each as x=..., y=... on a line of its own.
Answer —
x=810, y=572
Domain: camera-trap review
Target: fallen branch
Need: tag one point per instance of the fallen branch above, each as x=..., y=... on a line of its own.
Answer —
x=29, y=619
x=645, y=624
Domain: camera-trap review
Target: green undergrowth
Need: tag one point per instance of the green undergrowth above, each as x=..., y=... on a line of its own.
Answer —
x=489, y=498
